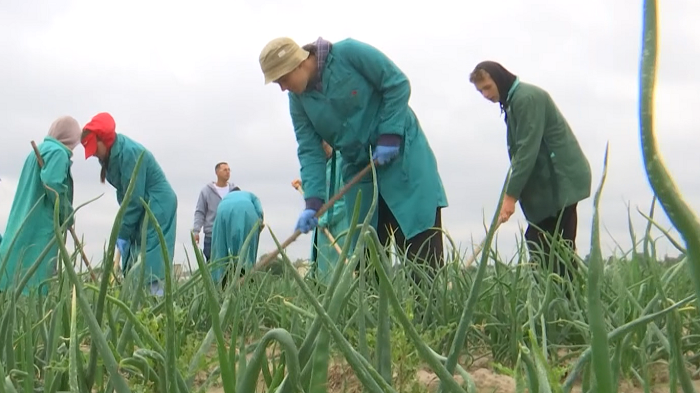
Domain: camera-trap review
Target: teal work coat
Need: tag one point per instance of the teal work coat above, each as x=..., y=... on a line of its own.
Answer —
x=366, y=95
x=31, y=240
x=154, y=188
x=335, y=220
x=550, y=171
x=237, y=215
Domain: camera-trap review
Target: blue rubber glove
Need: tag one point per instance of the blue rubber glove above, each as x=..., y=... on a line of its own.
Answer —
x=122, y=245
x=157, y=288
x=383, y=154
x=307, y=221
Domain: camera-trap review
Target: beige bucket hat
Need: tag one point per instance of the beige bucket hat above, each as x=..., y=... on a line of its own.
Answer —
x=280, y=57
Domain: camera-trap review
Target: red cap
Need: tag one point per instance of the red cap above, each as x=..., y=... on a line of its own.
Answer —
x=101, y=126
x=89, y=142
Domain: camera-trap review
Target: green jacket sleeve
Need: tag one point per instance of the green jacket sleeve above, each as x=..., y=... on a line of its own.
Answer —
x=312, y=158
x=134, y=210
x=54, y=175
x=528, y=137
x=387, y=78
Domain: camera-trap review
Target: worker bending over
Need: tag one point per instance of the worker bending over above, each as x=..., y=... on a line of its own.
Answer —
x=238, y=216
x=118, y=155
x=550, y=173
x=354, y=97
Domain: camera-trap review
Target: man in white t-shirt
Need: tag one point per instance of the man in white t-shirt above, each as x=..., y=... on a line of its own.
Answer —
x=209, y=198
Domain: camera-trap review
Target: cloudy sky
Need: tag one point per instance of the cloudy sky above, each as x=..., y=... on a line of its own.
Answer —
x=183, y=79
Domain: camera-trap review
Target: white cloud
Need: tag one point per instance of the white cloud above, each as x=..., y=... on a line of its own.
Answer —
x=184, y=80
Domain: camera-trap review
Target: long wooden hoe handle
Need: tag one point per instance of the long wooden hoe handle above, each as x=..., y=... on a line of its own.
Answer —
x=478, y=249
x=40, y=160
x=269, y=257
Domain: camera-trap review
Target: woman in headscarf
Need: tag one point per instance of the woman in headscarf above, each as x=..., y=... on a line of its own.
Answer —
x=550, y=173
x=118, y=155
x=22, y=247
x=353, y=96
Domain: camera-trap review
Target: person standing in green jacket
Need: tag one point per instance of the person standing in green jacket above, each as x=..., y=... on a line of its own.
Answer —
x=118, y=155
x=24, y=244
x=237, y=215
x=353, y=96
x=324, y=255
x=550, y=173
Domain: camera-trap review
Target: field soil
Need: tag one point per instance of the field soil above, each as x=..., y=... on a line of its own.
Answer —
x=341, y=379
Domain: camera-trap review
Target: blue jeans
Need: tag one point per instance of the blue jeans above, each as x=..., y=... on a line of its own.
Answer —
x=207, y=247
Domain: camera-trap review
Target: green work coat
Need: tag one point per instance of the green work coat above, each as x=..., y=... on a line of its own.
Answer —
x=154, y=188
x=31, y=240
x=237, y=215
x=550, y=170
x=335, y=220
x=366, y=95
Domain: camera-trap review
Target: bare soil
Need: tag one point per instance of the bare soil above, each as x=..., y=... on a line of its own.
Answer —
x=342, y=379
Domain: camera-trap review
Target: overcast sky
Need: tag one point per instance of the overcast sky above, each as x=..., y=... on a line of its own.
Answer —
x=183, y=79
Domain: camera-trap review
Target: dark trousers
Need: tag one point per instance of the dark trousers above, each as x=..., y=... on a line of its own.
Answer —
x=539, y=246
x=431, y=253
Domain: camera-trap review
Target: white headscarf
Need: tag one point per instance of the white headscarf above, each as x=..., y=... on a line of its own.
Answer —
x=67, y=131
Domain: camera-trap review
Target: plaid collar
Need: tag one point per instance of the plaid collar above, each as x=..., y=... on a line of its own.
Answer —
x=322, y=47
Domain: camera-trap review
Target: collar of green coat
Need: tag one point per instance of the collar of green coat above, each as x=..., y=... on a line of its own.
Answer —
x=325, y=78
x=327, y=71
x=116, y=147
x=55, y=141
x=512, y=89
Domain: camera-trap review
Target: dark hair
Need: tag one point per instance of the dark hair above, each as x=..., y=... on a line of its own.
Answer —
x=216, y=168
x=103, y=164
x=311, y=48
x=103, y=171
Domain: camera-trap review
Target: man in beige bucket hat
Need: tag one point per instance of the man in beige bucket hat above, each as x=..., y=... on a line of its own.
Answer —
x=352, y=96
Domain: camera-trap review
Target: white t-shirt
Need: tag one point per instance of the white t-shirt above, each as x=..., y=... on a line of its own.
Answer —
x=222, y=191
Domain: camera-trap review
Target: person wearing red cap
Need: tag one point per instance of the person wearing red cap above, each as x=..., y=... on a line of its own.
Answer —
x=118, y=155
